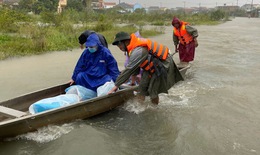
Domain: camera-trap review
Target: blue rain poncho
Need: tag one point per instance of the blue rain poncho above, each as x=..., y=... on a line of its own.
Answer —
x=95, y=69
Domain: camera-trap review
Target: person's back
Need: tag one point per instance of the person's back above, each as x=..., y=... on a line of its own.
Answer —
x=84, y=36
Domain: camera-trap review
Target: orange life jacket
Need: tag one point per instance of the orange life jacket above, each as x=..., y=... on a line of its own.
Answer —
x=182, y=34
x=158, y=50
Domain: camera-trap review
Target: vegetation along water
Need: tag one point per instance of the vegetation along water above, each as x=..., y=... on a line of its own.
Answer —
x=44, y=30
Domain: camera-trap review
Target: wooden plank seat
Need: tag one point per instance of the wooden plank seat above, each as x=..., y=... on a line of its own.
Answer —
x=12, y=113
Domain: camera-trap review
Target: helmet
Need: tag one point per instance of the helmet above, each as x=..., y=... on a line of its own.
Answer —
x=120, y=37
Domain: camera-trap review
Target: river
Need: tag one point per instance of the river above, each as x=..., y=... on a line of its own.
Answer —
x=215, y=111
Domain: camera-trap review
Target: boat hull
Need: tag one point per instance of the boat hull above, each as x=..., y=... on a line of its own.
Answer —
x=81, y=110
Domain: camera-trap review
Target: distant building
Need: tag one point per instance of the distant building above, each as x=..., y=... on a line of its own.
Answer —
x=163, y=8
x=195, y=10
x=179, y=8
x=252, y=10
x=249, y=7
x=153, y=8
x=108, y=5
x=228, y=8
x=61, y=5
x=203, y=9
x=97, y=4
x=125, y=7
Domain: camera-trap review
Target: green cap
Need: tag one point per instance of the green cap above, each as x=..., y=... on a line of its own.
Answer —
x=120, y=37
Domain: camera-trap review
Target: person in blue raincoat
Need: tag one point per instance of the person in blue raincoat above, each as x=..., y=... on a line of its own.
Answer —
x=96, y=66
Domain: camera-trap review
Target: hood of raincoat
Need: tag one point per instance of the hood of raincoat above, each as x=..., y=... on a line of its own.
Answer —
x=93, y=40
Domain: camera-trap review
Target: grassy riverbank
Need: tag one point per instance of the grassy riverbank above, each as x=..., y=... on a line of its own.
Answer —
x=24, y=34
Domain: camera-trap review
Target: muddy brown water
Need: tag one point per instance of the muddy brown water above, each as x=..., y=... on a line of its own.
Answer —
x=216, y=110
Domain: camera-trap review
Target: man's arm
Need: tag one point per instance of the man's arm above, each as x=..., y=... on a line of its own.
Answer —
x=138, y=55
x=192, y=31
x=175, y=41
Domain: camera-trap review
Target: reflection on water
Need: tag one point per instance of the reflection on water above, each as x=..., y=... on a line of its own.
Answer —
x=214, y=111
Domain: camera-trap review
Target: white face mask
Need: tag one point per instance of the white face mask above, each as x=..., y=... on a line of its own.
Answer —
x=92, y=49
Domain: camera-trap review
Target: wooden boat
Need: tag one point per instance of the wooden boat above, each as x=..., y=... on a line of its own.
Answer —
x=15, y=118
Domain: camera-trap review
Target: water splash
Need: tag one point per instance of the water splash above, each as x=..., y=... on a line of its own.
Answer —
x=136, y=107
x=48, y=133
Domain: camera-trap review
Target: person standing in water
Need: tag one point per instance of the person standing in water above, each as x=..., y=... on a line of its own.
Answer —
x=185, y=41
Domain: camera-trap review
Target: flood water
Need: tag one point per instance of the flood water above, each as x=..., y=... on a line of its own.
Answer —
x=215, y=111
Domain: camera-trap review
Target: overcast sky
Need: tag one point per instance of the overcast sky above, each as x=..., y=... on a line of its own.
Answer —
x=186, y=3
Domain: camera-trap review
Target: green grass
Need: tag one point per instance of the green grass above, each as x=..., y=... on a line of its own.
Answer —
x=43, y=40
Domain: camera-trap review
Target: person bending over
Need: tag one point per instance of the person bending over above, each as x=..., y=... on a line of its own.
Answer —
x=159, y=70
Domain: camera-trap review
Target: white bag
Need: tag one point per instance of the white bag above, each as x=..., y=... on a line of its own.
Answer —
x=104, y=89
x=82, y=92
x=53, y=102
